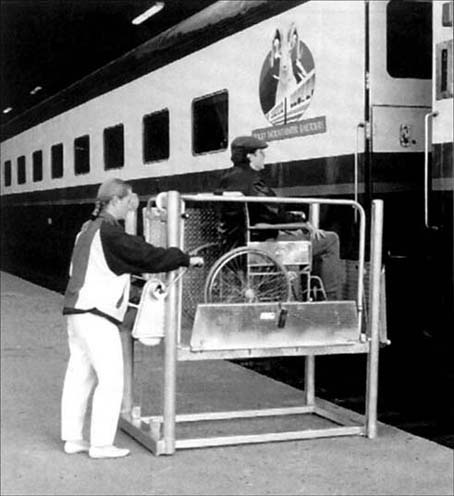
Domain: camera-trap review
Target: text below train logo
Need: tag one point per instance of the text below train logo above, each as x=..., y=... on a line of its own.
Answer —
x=287, y=79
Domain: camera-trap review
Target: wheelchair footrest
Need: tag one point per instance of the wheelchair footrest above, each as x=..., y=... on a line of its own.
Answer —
x=219, y=326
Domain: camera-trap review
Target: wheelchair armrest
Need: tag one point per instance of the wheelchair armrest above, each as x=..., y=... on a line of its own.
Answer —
x=288, y=226
x=233, y=194
x=300, y=214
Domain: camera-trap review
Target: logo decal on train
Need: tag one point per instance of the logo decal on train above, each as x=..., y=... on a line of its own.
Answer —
x=287, y=79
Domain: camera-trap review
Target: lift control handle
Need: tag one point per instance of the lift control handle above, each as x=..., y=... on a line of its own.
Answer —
x=282, y=319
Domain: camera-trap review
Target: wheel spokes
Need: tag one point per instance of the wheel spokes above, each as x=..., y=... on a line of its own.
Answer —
x=247, y=277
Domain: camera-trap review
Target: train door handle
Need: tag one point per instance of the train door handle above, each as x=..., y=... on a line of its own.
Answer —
x=428, y=117
x=360, y=125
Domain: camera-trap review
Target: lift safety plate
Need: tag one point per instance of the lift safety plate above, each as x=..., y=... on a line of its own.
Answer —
x=272, y=325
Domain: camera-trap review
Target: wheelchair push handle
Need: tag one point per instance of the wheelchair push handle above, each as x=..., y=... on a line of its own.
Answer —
x=300, y=214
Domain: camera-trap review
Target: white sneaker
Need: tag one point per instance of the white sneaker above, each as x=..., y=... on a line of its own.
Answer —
x=107, y=452
x=72, y=447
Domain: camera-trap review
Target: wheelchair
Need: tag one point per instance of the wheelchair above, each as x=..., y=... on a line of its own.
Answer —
x=259, y=272
x=264, y=271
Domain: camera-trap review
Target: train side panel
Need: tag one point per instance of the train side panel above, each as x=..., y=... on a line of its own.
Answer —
x=333, y=100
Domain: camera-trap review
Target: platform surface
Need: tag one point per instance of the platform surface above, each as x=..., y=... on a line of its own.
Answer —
x=34, y=354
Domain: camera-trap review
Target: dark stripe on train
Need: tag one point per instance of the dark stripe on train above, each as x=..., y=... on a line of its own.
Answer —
x=331, y=176
x=195, y=33
x=442, y=161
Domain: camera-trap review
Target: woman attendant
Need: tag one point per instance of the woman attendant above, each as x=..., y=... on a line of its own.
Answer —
x=95, y=303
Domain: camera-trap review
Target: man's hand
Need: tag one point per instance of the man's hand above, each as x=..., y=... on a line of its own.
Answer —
x=314, y=232
x=196, y=262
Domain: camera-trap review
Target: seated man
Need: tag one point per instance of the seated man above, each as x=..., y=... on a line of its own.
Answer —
x=248, y=160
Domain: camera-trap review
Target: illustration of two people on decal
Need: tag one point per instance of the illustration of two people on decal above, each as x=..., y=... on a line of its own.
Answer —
x=285, y=68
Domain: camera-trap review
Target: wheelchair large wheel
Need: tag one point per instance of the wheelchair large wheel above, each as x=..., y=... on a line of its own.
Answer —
x=247, y=275
x=194, y=280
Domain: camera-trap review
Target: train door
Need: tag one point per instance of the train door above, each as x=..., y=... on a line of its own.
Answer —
x=439, y=181
x=399, y=98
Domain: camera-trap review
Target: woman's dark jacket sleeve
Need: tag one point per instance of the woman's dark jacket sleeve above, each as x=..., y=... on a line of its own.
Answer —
x=126, y=253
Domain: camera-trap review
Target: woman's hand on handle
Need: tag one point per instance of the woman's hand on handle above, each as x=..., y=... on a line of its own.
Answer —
x=196, y=262
x=314, y=232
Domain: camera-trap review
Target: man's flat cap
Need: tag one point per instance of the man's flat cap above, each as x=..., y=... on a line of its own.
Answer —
x=248, y=142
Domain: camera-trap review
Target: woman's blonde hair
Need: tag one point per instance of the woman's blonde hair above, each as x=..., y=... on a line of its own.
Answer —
x=108, y=190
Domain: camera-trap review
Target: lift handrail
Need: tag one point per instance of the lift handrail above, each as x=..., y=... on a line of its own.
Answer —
x=205, y=197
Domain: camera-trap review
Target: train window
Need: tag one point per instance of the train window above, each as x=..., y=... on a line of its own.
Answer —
x=21, y=170
x=446, y=18
x=156, y=136
x=114, y=147
x=443, y=76
x=7, y=173
x=82, y=155
x=210, y=123
x=444, y=70
x=56, y=160
x=37, y=160
x=409, y=39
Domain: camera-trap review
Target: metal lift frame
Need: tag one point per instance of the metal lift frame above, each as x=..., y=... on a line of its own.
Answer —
x=158, y=433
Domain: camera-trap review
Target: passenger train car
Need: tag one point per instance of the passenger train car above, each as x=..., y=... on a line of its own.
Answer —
x=353, y=98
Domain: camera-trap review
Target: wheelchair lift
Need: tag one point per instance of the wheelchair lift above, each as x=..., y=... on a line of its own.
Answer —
x=247, y=330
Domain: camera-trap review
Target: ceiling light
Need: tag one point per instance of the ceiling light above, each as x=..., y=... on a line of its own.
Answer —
x=35, y=90
x=154, y=9
x=7, y=110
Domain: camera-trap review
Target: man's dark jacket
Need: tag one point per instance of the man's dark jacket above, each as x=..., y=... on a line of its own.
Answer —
x=233, y=225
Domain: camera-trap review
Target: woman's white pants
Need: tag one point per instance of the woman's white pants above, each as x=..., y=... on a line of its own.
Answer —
x=96, y=358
